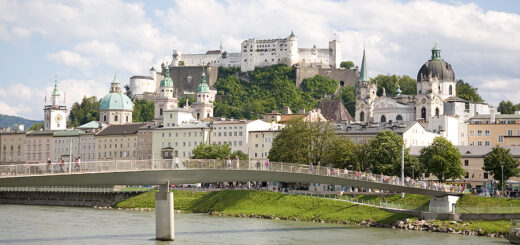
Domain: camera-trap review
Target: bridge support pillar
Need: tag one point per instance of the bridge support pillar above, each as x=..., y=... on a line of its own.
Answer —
x=164, y=214
x=445, y=204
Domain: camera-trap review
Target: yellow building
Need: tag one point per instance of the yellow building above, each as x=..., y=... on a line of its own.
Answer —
x=39, y=146
x=12, y=147
x=260, y=143
x=118, y=142
x=494, y=129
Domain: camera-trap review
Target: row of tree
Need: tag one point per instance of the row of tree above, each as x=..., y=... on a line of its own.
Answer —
x=507, y=107
x=318, y=144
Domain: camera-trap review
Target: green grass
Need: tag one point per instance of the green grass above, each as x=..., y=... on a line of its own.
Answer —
x=410, y=201
x=292, y=207
x=471, y=200
x=486, y=226
x=182, y=200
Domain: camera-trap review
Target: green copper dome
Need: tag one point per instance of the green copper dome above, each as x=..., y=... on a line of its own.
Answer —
x=56, y=91
x=167, y=80
x=115, y=100
x=203, y=86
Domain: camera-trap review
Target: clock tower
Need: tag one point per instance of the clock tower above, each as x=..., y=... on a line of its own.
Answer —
x=55, y=114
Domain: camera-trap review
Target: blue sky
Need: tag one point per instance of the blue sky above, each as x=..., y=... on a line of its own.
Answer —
x=83, y=43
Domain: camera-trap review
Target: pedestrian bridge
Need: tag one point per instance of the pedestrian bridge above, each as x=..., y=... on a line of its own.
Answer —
x=168, y=172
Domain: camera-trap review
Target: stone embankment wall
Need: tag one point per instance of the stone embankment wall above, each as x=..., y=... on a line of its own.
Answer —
x=76, y=199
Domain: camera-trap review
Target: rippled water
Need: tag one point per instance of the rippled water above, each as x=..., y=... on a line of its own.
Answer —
x=69, y=225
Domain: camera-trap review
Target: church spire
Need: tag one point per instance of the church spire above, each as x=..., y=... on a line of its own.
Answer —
x=363, y=75
x=436, y=52
x=56, y=92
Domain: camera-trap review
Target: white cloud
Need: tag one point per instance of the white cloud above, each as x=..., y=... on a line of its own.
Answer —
x=71, y=59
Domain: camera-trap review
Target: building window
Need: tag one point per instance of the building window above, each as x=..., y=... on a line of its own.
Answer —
x=500, y=138
x=471, y=133
x=451, y=90
x=466, y=162
x=479, y=143
x=486, y=175
x=487, y=132
x=487, y=143
x=467, y=173
x=479, y=132
x=509, y=132
x=115, y=118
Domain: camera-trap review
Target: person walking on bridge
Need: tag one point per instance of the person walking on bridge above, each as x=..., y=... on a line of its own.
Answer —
x=76, y=166
x=228, y=162
x=267, y=164
x=176, y=162
x=237, y=162
x=62, y=164
x=49, y=165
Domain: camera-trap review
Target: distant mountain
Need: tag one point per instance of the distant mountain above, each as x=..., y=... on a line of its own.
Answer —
x=10, y=121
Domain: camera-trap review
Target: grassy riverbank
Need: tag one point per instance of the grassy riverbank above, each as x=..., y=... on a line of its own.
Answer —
x=182, y=200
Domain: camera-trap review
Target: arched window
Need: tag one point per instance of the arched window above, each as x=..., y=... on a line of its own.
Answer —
x=399, y=118
x=104, y=118
x=362, y=116
x=423, y=113
x=160, y=112
x=451, y=90
x=198, y=116
x=436, y=112
x=383, y=118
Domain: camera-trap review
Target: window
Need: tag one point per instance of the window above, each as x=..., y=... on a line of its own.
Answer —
x=466, y=162
x=486, y=175
x=240, y=133
x=486, y=143
x=500, y=138
x=471, y=133
x=479, y=132
x=480, y=143
x=471, y=143
x=487, y=132
x=509, y=132
x=451, y=90
x=467, y=173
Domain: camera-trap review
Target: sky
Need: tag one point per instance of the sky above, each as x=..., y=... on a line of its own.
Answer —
x=84, y=43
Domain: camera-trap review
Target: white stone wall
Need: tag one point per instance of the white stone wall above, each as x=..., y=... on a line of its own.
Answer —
x=416, y=135
x=140, y=85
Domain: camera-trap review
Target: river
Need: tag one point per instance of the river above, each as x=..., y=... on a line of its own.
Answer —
x=20, y=224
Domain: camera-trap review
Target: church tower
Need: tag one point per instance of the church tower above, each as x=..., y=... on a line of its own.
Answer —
x=365, y=95
x=55, y=114
x=165, y=98
x=203, y=108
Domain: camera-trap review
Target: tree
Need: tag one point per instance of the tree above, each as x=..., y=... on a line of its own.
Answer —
x=84, y=112
x=466, y=91
x=213, y=151
x=442, y=159
x=241, y=155
x=407, y=84
x=303, y=142
x=497, y=158
x=348, y=97
x=36, y=126
x=190, y=98
x=384, y=155
x=144, y=111
x=340, y=153
x=507, y=107
x=319, y=86
x=346, y=64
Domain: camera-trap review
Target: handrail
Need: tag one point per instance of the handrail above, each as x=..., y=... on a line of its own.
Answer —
x=42, y=169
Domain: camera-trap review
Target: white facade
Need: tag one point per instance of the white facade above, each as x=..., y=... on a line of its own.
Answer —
x=260, y=143
x=55, y=114
x=258, y=53
x=182, y=138
x=450, y=128
x=66, y=148
x=87, y=147
x=177, y=116
x=142, y=85
x=236, y=132
x=416, y=135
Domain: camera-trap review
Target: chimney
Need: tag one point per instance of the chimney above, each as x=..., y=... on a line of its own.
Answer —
x=492, y=115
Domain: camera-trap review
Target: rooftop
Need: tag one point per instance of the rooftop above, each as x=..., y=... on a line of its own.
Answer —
x=374, y=128
x=472, y=151
x=129, y=128
x=67, y=133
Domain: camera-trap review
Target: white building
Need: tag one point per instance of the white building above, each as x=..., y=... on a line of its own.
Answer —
x=236, y=132
x=203, y=107
x=260, y=143
x=55, y=114
x=258, y=53
x=140, y=85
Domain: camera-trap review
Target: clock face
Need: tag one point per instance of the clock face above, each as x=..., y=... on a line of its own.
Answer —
x=58, y=118
x=423, y=100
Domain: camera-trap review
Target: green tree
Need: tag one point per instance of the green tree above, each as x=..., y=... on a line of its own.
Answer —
x=346, y=64
x=36, y=126
x=303, y=142
x=84, y=112
x=384, y=155
x=497, y=158
x=319, y=86
x=348, y=97
x=467, y=92
x=507, y=107
x=191, y=98
x=340, y=153
x=407, y=84
x=213, y=151
x=241, y=155
x=144, y=111
x=442, y=159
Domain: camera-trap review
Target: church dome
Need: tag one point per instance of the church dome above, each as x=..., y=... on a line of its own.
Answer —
x=436, y=67
x=203, y=86
x=167, y=80
x=115, y=100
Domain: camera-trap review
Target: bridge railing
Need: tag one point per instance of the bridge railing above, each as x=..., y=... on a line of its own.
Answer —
x=187, y=164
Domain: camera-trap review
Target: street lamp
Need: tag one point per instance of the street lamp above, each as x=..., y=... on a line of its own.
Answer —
x=413, y=172
x=502, y=178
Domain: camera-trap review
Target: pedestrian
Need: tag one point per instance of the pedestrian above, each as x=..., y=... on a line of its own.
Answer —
x=267, y=164
x=49, y=164
x=310, y=168
x=237, y=162
x=76, y=166
x=176, y=162
x=258, y=165
x=62, y=164
x=228, y=162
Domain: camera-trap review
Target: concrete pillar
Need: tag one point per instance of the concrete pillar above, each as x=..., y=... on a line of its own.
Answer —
x=445, y=204
x=164, y=214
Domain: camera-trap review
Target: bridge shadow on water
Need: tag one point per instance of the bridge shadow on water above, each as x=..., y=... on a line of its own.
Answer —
x=148, y=235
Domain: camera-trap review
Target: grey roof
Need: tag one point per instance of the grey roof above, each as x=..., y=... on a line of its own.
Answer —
x=472, y=151
x=334, y=110
x=41, y=132
x=455, y=99
x=142, y=77
x=188, y=125
x=373, y=129
x=129, y=128
x=92, y=125
x=497, y=116
x=67, y=133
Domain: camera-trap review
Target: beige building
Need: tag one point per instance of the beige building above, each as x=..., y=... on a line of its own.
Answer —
x=179, y=140
x=412, y=132
x=39, y=145
x=144, y=139
x=87, y=146
x=494, y=129
x=118, y=142
x=12, y=147
x=66, y=145
x=236, y=132
x=260, y=143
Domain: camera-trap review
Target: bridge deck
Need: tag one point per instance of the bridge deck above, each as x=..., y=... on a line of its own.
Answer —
x=147, y=172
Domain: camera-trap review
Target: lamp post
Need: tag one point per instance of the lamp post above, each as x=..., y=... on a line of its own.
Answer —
x=413, y=172
x=502, y=178
x=402, y=168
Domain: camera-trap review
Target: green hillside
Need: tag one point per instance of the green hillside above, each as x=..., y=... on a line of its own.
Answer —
x=10, y=121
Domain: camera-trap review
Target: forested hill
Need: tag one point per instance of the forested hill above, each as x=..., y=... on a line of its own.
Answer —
x=10, y=121
x=267, y=89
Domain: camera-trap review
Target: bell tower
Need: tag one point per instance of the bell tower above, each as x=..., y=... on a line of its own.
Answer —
x=203, y=108
x=365, y=95
x=55, y=114
x=165, y=98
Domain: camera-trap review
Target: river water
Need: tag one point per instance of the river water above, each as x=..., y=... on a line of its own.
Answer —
x=20, y=224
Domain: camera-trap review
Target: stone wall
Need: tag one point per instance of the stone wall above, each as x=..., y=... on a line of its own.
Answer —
x=347, y=77
x=76, y=199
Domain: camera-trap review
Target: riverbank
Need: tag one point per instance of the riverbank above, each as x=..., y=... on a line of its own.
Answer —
x=273, y=205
